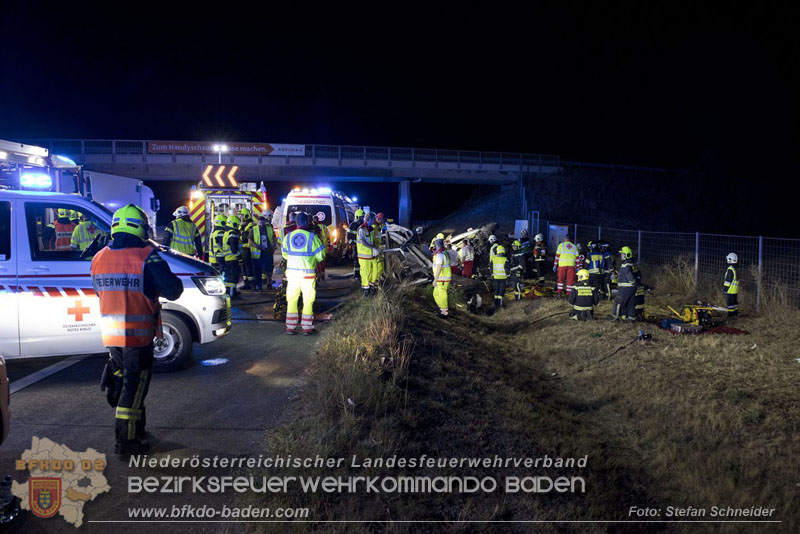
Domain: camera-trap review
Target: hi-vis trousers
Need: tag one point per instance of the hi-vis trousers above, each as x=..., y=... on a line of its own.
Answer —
x=297, y=283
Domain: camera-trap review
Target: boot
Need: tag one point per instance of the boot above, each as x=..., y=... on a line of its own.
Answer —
x=365, y=292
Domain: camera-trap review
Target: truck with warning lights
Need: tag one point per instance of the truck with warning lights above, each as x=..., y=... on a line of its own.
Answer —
x=47, y=304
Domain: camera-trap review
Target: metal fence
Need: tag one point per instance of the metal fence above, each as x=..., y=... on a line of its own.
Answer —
x=766, y=264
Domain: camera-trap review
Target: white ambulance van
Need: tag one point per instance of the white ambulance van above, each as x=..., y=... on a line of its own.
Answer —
x=333, y=208
x=47, y=304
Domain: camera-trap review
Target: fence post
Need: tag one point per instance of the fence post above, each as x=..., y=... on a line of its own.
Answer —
x=639, y=248
x=759, y=282
x=696, y=258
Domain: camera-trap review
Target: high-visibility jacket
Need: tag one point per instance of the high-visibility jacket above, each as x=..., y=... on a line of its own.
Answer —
x=302, y=250
x=323, y=233
x=365, y=242
x=260, y=238
x=446, y=274
x=467, y=253
x=731, y=281
x=499, y=267
x=566, y=253
x=216, y=245
x=583, y=297
x=493, y=250
x=129, y=317
x=63, y=235
x=183, y=234
x=83, y=235
x=227, y=249
x=246, y=227
x=595, y=262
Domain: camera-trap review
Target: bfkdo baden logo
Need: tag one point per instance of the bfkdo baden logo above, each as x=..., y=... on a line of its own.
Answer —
x=44, y=495
x=62, y=480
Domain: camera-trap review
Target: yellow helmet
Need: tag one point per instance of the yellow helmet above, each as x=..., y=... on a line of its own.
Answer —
x=516, y=243
x=359, y=213
x=73, y=214
x=234, y=221
x=130, y=219
x=583, y=275
x=221, y=220
x=245, y=213
x=62, y=212
x=626, y=252
x=500, y=250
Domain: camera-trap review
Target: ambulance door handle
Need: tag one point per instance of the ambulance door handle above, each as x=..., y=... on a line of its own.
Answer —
x=38, y=270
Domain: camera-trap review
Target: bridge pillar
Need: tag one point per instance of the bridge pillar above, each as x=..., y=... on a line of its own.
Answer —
x=404, y=208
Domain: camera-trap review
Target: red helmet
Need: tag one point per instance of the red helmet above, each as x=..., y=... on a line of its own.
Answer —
x=380, y=218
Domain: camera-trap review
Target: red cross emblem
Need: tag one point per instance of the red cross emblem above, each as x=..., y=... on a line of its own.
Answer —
x=78, y=311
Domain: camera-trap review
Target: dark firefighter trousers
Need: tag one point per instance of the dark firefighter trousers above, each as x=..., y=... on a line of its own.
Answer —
x=230, y=272
x=137, y=367
x=499, y=291
x=247, y=263
x=540, y=268
x=625, y=303
x=596, y=281
x=516, y=283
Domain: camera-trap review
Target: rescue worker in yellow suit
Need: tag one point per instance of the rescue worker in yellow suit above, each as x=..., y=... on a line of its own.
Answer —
x=84, y=233
x=302, y=250
x=442, y=275
x=731, y=285
x=246, y=256
x=232, y=252
x=367, y=254
x=129, y=277
x=499, y=274
x=182, y=235
x=215, y=254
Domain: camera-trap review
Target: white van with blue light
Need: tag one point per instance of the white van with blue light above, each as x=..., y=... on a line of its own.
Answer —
x=332, y=208
x=47, y=304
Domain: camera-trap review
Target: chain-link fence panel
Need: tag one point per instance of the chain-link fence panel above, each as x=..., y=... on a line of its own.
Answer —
x=659, y=248
x=780, y=267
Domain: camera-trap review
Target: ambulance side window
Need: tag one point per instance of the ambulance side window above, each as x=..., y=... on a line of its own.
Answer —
x=58, y=232
x=5, y=231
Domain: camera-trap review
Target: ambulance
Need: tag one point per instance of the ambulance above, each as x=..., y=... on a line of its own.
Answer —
x=47, y=304
x=333, y=208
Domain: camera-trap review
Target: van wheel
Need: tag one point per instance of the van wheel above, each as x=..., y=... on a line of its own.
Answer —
x=174, y=351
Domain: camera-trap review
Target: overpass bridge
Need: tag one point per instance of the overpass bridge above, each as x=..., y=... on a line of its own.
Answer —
x=186, y=161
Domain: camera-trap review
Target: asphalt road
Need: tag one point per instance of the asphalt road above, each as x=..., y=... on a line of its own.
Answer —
x=208, y=410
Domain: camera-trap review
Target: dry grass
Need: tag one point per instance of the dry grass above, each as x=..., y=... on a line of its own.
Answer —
x=698, y=421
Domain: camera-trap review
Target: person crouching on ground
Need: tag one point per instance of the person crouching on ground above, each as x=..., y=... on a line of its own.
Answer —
x=583, y=297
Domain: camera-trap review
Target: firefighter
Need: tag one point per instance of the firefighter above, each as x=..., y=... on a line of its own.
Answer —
x=583, y=297
x=525, y=247
x=380, y=230
x=564, y=265
x=352, y=238
x=321, y=230
x=74, y=217
x=246, y=257
x=594, y=265
x=624, y=305
x=731, y=285
x=499, y=274
x=466, y=257
x=182, y=235
x=367, y=252
x=442, y=274
x=517, y=268
x=638, y=297
x=609, y=265
x=302, y=251
x=58, y=234
x=539, y=258
x=215, y=246
x=232, y=252
x=129, y=277
x=83, y=234
x=261, y=239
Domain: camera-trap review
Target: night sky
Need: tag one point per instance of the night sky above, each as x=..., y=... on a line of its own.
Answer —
x=710, y=88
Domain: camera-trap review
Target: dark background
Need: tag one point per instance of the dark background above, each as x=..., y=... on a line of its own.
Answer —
x=707, y=88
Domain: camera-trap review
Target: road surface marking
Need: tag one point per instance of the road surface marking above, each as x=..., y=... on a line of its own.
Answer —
x=41, y=374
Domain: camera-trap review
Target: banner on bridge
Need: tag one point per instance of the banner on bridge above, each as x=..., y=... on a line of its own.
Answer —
x=235, y=149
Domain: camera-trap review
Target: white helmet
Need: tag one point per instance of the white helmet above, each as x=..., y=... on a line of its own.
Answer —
x=266, y=214
x=492, y=239
x=732, y=258
x=539, y=237
x=182, y=211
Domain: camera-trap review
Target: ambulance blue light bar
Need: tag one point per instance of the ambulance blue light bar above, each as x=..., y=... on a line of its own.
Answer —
x=35, y=180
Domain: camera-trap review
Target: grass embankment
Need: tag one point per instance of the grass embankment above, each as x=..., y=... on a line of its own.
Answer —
x=697, y=421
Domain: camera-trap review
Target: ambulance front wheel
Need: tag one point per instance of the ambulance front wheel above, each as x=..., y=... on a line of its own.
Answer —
x=174, y=350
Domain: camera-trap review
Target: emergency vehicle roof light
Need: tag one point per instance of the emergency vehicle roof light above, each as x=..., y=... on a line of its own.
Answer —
x=324, y=189
x=355, y=199
x=36, y=180
x=3, y=155
x=36, y=160
x=67, y=160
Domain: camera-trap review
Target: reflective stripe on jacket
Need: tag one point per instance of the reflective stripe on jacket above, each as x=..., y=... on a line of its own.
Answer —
x=365, y=242
x=63, y=235
x=595, y=261
x=129, y=318
x=226, y=246
x=83, y=235
x=446, y=274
